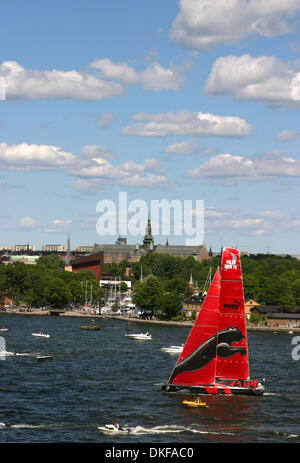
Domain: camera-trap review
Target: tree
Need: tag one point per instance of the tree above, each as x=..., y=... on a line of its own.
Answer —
x=170, y=305
x=57, y=293
x=52, y=261
x=147, y=295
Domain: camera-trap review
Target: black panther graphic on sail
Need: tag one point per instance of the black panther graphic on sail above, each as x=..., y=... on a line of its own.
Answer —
x=218, y=344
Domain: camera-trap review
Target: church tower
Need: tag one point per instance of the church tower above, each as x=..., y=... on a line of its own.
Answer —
x=148, y=238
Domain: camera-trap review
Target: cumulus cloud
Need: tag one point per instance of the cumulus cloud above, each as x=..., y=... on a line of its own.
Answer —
x=27, y=222
x=25, y=157
x=187, y=123
x=287, y=135
x=119, y=71
x=24, y=83
x=227, y=169
x=209, y=23
x=96, y=151
x=90, y=167
x=183, y=147
x=155, y=77
x=247, y=78
x=61, y=222
x=105, y=120
x=101, y=79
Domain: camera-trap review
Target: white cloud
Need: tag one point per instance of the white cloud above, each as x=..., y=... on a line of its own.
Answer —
x=155, y=77
x=187, y=123
x=61, y=223
x=96, y=151
x=207, y=23
x=102, y=79
x=265, y=78
x=287, y=135
x=227, y=169
x=120, y=71
x=73, y=85
x=27, y=222
x=183, y=147
x=25, y=157
x=105, y=120
x=91, y=167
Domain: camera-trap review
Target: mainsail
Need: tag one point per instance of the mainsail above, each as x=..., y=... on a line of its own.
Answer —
x=197, y=362
x=216, y=348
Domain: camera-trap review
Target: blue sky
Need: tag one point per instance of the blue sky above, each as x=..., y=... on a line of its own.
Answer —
x=195, y=100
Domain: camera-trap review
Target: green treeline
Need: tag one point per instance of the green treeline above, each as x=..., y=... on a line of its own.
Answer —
x=47, y=284
x=269, y=279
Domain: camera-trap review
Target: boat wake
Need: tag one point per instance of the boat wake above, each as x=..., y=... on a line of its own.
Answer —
x=165, y=429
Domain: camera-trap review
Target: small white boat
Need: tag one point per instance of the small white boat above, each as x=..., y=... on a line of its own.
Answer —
x=41, y=335
x=3, y=328
x=5, y=352
x=113, y=429
x=172, y=349
x=44, y=357
x=141, y=336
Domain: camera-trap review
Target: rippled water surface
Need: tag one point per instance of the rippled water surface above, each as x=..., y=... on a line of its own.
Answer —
x=100, y=376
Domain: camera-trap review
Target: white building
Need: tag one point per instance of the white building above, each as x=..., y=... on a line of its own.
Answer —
x=54, y=248
x=22, y=247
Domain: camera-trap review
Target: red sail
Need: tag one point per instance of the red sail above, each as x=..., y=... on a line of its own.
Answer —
x=197, y=362
x=232, y=352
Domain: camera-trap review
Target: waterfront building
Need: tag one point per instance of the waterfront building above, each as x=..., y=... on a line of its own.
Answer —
x=115, y=253
x=192, y=305
x=278, y=316
x=249, y=305
x=93, y=262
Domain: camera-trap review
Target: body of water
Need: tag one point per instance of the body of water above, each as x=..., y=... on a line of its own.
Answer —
x=97, y=377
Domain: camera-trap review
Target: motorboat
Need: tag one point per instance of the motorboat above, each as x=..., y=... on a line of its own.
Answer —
x=113, y=429
x=41, y=335
x=6, y=353
x=172, y=349
x=140, y=336
x=3, y=328
x=194, y=403
x=44, y=357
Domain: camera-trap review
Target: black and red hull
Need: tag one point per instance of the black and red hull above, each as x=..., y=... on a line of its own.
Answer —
x=214, y=389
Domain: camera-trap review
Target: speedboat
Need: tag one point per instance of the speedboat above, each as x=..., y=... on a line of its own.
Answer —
x=141, y=336
x=194, y=403
x=113, y=429
x=41, y=335
x=5, y=352
x=172, y=349
x=44, y=357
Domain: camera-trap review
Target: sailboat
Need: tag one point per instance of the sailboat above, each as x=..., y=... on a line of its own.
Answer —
x=214, y=359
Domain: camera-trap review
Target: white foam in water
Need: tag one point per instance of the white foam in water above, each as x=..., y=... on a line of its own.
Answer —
x=168, y=429
x=26, y=426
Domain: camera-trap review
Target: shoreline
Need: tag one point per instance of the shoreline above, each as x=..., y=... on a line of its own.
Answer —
x=278, y=329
